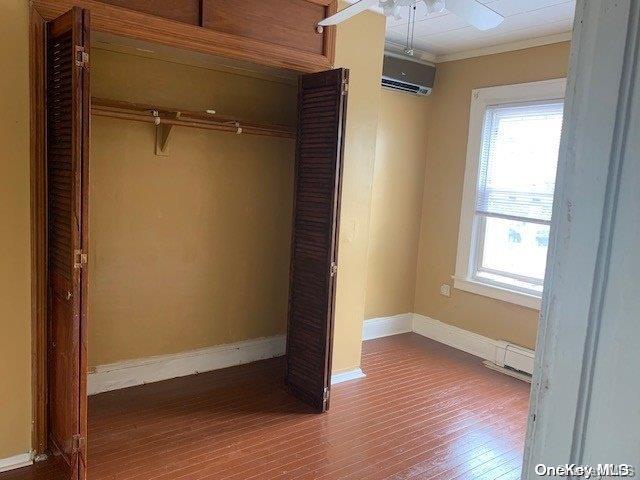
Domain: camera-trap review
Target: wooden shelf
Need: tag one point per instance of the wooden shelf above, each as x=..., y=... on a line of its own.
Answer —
x=168, y=117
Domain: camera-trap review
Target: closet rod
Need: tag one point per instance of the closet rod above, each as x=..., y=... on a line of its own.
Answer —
x=164, y=116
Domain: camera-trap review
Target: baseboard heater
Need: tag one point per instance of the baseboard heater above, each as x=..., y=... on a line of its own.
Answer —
x=512, y=360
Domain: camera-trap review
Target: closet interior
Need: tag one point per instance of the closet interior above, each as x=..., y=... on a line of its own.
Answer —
x=191, y=177
x=190, y=204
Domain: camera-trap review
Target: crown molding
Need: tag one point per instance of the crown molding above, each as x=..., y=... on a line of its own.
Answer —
x=505, y=47
x=428, y=57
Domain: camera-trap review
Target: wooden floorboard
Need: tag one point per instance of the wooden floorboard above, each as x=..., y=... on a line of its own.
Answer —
x=424, y=411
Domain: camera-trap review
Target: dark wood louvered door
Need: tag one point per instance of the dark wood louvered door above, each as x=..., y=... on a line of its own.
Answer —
x=67, y=113
x=322, y=100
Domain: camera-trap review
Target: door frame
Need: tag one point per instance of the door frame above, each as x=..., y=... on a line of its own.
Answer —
x=37, y=78
x=581, y=321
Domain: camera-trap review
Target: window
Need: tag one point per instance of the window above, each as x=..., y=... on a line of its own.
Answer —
x=514, y=136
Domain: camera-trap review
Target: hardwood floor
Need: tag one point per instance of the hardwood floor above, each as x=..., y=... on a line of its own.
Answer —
x=424, y=411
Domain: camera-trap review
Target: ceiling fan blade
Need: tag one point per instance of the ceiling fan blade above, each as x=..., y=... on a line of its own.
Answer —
x=475, y=13
x=348, y=12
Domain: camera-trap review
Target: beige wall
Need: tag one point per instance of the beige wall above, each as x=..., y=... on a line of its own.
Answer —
x=15, y=300
x=398, y=183
x=446, y=155
x=189, y=250
x=192, y=249
x=360, y=44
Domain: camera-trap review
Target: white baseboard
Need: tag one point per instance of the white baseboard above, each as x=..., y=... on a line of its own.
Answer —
x=455, y=337
x=130, y=373
x=114, y=376
x=499, y=352
x=347, y=375
x=17, y=461
x=385, y=326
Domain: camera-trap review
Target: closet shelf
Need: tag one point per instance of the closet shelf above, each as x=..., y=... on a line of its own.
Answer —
x=171, y=117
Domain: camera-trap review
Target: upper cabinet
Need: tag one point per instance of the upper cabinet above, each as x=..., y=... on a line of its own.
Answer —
x=279, y=33
x=289, y=23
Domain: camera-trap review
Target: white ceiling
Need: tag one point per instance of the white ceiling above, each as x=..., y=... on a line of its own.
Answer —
x=443, y=35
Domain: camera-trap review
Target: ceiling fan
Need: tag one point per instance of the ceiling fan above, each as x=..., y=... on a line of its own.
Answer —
x=472, y=11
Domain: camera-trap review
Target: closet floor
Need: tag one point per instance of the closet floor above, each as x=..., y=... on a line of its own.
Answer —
x=424, y=410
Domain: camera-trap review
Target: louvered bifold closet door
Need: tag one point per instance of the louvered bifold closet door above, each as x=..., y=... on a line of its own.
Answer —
x=67, y=112
x=321, y=119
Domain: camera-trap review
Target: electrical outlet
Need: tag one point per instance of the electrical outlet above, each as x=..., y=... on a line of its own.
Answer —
x=445, y=290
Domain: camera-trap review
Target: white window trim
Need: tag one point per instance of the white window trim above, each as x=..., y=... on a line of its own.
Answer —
x=482, y=98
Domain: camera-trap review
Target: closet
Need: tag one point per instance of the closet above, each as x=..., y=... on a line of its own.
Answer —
x=189, y=201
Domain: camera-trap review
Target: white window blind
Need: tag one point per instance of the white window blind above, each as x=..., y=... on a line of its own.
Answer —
x=518, y=161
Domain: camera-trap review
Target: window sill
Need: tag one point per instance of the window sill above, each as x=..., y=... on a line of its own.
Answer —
x=499, y=293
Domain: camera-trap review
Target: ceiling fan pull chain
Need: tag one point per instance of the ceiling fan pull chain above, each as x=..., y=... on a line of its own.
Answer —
x=410, y=30
x=413, y=26
x=406, y=47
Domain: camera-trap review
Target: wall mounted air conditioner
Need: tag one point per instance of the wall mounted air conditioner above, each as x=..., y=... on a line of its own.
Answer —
x=407, y=74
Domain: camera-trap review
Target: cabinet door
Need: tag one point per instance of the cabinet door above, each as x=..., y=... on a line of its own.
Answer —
x=276, y=33
x=67, y=112
x=184, y=11
x=289, y=24
x=322, y=100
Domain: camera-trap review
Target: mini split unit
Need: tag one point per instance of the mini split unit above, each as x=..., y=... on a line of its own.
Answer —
x=407, y=75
